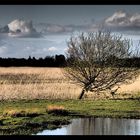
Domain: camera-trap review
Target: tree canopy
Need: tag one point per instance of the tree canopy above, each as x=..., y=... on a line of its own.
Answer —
x=96, y=61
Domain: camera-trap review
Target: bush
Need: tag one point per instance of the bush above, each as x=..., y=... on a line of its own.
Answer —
x=56, y=110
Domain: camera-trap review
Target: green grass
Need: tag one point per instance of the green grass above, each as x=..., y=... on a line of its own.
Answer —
x=32, y=115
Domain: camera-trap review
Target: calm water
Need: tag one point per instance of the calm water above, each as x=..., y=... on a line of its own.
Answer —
x=98, y=126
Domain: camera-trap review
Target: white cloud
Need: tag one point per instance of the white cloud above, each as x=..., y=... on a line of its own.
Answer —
x=65, y=49
x=20, y=28
x=52, y=49
x=119, y=18
x=3, y=49
x=123, y=19
x=135, y=19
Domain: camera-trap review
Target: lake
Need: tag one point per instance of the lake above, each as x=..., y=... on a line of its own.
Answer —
x=97, y=126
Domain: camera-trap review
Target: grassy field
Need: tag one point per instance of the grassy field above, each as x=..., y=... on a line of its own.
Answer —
x=32, y=116
x=50, y=83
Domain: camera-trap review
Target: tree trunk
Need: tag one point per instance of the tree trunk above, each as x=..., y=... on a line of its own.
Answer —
x=81, y=94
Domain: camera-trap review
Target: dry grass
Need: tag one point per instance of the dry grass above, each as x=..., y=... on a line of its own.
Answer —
x=57, y=109
x=35, y=83
x=21, y=113
x=49, y=83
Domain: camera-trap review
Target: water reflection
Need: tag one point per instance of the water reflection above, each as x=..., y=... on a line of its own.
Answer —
x=98, y=126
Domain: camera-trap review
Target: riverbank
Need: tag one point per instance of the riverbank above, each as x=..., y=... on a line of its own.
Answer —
x=31, y=116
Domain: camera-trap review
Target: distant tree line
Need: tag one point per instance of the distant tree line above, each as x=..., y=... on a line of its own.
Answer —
x=116, y=62
x=48, y=61
x=124, y=62
x=60, y=61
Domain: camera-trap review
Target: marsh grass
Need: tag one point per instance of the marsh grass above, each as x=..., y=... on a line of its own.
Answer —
x=57, y=110
x=35, y=83
x=18, y=83
x=21, y=113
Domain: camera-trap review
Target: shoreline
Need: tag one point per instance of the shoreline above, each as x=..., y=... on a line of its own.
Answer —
x=26, y=117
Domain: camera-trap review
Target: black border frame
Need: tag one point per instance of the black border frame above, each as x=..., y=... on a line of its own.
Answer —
x=68, y=2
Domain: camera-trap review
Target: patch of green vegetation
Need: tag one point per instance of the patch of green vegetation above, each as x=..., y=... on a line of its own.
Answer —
x=14, y=121
x=26, y=123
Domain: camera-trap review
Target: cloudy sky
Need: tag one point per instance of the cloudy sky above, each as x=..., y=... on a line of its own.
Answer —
x=41, y=30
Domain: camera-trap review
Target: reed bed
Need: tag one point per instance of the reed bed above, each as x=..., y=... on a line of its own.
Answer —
x=17, y=83
x=35, y=83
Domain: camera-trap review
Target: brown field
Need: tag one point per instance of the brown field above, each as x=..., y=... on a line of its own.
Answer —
x=49, y=83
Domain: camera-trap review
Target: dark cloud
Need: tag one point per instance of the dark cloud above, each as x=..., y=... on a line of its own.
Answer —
x=20, y=28
x=4, y=29
x=121, y=20
x=135, y=19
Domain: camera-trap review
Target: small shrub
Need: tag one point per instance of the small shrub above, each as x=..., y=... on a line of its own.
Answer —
x=57, y=110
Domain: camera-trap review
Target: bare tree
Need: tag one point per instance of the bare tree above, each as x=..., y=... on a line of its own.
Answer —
x=95, y=61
